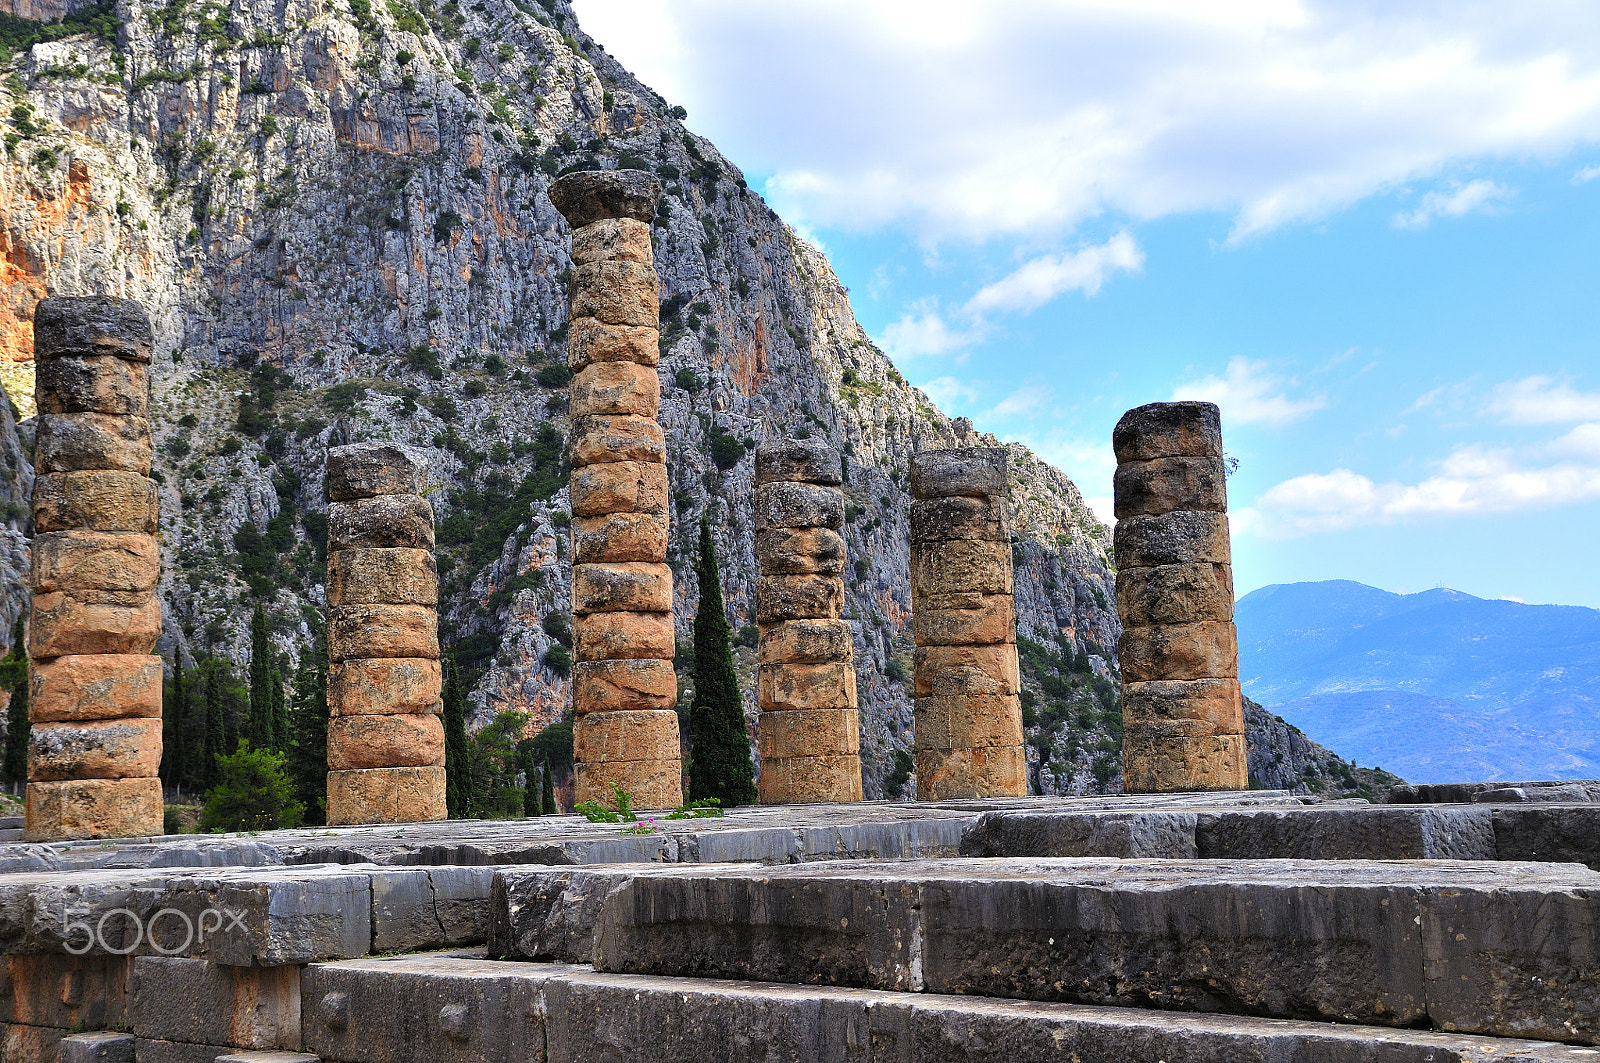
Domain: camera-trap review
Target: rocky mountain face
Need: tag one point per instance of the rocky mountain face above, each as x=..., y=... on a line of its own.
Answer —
x=336, y=212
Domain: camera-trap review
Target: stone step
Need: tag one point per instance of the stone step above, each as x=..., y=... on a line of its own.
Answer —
x=1508, y=949
x=421, y=1009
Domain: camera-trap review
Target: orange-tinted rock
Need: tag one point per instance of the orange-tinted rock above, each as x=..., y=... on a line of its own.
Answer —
x=367, y=687
x=1194, y=708
x=1163, y=485
x=382, y=576
x=780, y=598
x=597, y=440
x=64, y=624
x=360, y=631
x=94, y=749
x=810, y=733
x=1183, y=765
x=392, y=740
x=959, y=774
x=635, y=735
x=651, y=784
x=619, y=487
x=630, y=586
x=806, y=686
x=71, y=442
x=951, y=566
x=95, y=686
x=616, y=293
x=616, y=389
x=102, y=500
x=92, y=384
x=1175, y=594
x=384, y=521
x=1179, y=651
x=969, y=721
x=386, y=795
x=101, y=561
x=590, y=341
x=991, y=619
x=93, y=808
x=623, y=685
x=612, y=240
x=619, y=537
x=810, y=641
x=794, y=551
x=803, y=780
x=623, y=636
x=966, y=669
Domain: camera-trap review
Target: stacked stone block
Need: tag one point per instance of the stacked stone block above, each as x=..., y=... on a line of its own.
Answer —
x=385, y=737
x=624, y=690
x=96, y=685
x=968, y=706
x=810, y=731
x=1183, y=718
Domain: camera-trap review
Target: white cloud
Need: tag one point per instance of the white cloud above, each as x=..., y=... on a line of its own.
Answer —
x=1541, y=400
x=1472, y=197
x=1041, y=280
x=949, y=393
x=1026, y=399
x=923, y=332
x=1027, y=117
x=1587, y=174
x=1249, y=393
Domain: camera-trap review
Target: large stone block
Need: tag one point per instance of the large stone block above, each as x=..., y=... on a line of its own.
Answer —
x=1181, y=765
x=781, y=551
x=361, y=631
x=102, y=500
x=619, y=487
x=780, y=598
x=810, y=641
x=383, y=576
x=811, y=779
x=1179, y=537
x=956, y=566
x=1174, y=594
x=623, y=636
x=975, y=472
x=429, y=907
x=809, y=733
x=590, y=341
x=978, y=771
x=93, y=808
x=386, y=795
x=1167, y=430
x=76, y=442
x=1345, y=833
x=636, y=735
x=1207, y=650
x=623, y=686
x=612, y=240
x=968, y=721
x=79, y=561
x=1162, y=485
x=393, y=740
x=371, y=687
x=363, y=470
x=651, y=784
x=1192, y=708
x=614, y=537
x=381, y=522
x=616, y=293
x=1013, y=833
x=101, y=1046
x=64, y=624
x=30, y=1044
x=94, y=749
x=796, y=505
x=69, y=992
x=627, y=586
x=95, y=686
x=175, y=998
x=597, y=440
x=940, y=671
x=616, y=389
x=91, y=325
x=92, y=384
x=992, y=619
x=810, y=461
x=960, y=517
x=588, y=196
x=806, y=686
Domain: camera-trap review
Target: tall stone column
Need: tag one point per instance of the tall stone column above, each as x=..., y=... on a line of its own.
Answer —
x=96, y=687
x=385, y=738
x=623, y=687
x=1183, y=720
x=810, y=731
x=968, y=708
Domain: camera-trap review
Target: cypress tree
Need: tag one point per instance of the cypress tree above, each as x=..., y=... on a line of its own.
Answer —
x=14, y=669
x=457, y=785
x=280, y=707
x=174, y=750
x=222, y=737
x=259, y=730
x=307, y=733
x=547, y=791
x=719, y=764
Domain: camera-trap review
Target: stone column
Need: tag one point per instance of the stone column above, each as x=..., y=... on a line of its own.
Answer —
x=810, y=732
x=1183, y=720
x=96, y=687
x=385, y=738
x=968, y=709
x=623, y=687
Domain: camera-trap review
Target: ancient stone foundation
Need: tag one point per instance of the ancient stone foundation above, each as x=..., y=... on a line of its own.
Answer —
x=96, y=687
x=1183, y=720
x=385, y=738
x=623, y=687
x=810, y=730
x=968, y=710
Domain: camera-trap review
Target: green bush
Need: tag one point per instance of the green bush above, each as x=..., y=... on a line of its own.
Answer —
x=253, y=792
x=554, y=375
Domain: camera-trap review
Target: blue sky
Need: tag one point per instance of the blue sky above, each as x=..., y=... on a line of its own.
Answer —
x=1370, y=233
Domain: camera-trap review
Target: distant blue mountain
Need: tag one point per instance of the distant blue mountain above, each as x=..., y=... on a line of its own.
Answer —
x=1437, y=686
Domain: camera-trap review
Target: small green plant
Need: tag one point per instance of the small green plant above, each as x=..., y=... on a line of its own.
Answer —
x=595, y=812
